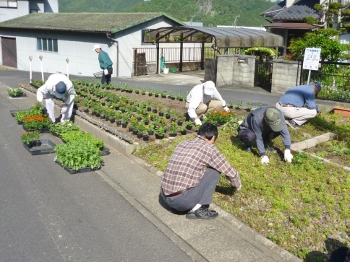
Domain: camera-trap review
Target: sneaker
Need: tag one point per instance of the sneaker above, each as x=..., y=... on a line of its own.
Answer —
x=292, y=124
x=202, y=213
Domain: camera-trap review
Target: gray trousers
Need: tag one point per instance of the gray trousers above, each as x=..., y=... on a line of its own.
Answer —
x=200, y=194
x=298, y=114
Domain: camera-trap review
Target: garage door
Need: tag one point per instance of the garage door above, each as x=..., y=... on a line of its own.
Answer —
x=9, y=54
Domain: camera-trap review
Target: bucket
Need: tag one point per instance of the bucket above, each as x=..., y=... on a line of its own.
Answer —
x=165, y=70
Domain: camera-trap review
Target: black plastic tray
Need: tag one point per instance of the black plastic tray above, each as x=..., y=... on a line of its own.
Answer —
x=47, y=147
x=80, y=170
x=13, y=112
x=105, y=151
x=43, y=130
x=22, y=95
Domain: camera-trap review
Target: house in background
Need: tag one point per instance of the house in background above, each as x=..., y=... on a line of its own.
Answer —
x=67, y=39
x=287, y=19
x=10, y=9
x=287, y=16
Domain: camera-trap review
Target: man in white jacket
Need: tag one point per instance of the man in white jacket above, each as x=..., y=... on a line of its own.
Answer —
x=204, y=98
x=59, y=86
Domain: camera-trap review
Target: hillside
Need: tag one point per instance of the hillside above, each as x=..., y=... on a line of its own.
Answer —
x=210, y=12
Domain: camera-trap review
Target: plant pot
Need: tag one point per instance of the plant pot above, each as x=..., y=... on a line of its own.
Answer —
x=112, y=120
x=179, y=123
x=172, y=134
x=344, y=112
x=159, y=136
x=189, y=127
x=155, y=111
x=149, y=109
x=150, y=132
x=167, y=116
x=184, y=132
x=37, y=143
x=139, y=135
x=161, y=114
x=135, y=132
x=119, y=123
x=124, y=125
x=145, y=138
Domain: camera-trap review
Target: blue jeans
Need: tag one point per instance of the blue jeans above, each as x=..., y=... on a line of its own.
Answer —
x=200, y=194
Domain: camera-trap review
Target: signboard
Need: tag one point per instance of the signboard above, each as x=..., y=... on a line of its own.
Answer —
x=311, y=58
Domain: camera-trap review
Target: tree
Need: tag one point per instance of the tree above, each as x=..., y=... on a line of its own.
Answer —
x=326, y=39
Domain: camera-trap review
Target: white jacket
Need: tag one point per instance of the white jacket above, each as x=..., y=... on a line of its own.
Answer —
x=49, y=88
x=197, y=96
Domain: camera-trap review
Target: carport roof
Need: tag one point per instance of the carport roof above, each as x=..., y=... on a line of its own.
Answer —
x=222, y=36
x=83, y=22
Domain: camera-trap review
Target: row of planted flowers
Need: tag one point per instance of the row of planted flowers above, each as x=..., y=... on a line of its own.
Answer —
x=141, y=118
x=80, y=149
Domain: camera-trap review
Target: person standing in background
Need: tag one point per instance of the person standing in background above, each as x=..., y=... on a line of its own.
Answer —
x=105, y=64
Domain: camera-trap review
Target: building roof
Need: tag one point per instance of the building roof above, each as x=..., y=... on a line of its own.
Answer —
x=302, y=26
x=222, y=36
x=296, y=12
x=82, y=22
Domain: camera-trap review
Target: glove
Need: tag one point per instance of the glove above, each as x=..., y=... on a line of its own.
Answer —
x=64, y=109
x=105, y=71
x=44, y=111
x=198, y=122
x=288, y=156
x=226, y=109
x=265, y=160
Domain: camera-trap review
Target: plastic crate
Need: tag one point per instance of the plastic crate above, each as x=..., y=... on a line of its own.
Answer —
x=173, y=70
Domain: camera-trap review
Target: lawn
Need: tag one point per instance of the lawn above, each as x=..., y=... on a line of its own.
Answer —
x=300, y=206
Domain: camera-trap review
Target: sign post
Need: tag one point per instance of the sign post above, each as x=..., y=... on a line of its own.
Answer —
x=311, y=60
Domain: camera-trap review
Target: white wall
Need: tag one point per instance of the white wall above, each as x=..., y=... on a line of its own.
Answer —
x=77, y=47
x=10, y=13
x=24, y=7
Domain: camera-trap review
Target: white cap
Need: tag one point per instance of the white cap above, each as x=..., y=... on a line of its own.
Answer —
x=209, y=88
x=96, y=46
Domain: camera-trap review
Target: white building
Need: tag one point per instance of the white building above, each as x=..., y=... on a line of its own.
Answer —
x=61, y=38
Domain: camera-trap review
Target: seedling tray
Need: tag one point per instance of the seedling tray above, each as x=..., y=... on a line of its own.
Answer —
x=80, y=170
x=42, y=130
x=105, y=151
x=20, y=96
x=13, y=112
x=47, y=147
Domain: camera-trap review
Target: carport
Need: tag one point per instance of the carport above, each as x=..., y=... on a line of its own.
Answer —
x=221, y=37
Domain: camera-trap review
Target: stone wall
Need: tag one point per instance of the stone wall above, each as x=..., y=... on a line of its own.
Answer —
x=285, y=75
x=235, y=70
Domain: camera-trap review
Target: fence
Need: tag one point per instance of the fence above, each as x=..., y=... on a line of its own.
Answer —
x=331, y=74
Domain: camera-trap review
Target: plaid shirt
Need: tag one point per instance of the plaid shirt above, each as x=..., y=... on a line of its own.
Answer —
x=188, y=163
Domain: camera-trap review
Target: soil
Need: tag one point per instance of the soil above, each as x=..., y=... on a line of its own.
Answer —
x=324, y=150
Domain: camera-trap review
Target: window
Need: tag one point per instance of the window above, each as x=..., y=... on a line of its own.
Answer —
x=8, y=3
x=47, y=44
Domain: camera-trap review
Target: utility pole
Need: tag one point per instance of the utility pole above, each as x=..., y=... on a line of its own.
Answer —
x=235, y=21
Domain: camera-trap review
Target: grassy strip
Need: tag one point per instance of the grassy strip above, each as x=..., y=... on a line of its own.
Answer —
x=299, y=206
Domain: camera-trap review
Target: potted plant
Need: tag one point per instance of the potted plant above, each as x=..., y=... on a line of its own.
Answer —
x=173, y=129
x=160, y=132
x=189, y=125
x=182, y=130
x=15, y=92
x=31, y=139
x=342, y=110
x=156, y=93
x=164, y=94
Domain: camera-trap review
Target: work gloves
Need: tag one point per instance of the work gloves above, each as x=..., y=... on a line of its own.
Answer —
x=64, y=109
x=265, y=160
x=198, y=122
x=288, y=156
x=226, y=109
x=105, y=71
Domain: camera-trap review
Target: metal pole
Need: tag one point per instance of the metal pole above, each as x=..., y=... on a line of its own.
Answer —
x=308, y=78
x=42, y=70
x=30, y=69
x=67, y=67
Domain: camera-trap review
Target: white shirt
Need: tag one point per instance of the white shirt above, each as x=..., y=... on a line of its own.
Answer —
x=50, y=87
x=197, y=96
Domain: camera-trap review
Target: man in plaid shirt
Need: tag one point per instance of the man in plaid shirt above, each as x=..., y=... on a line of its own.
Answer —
x=193, y=171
